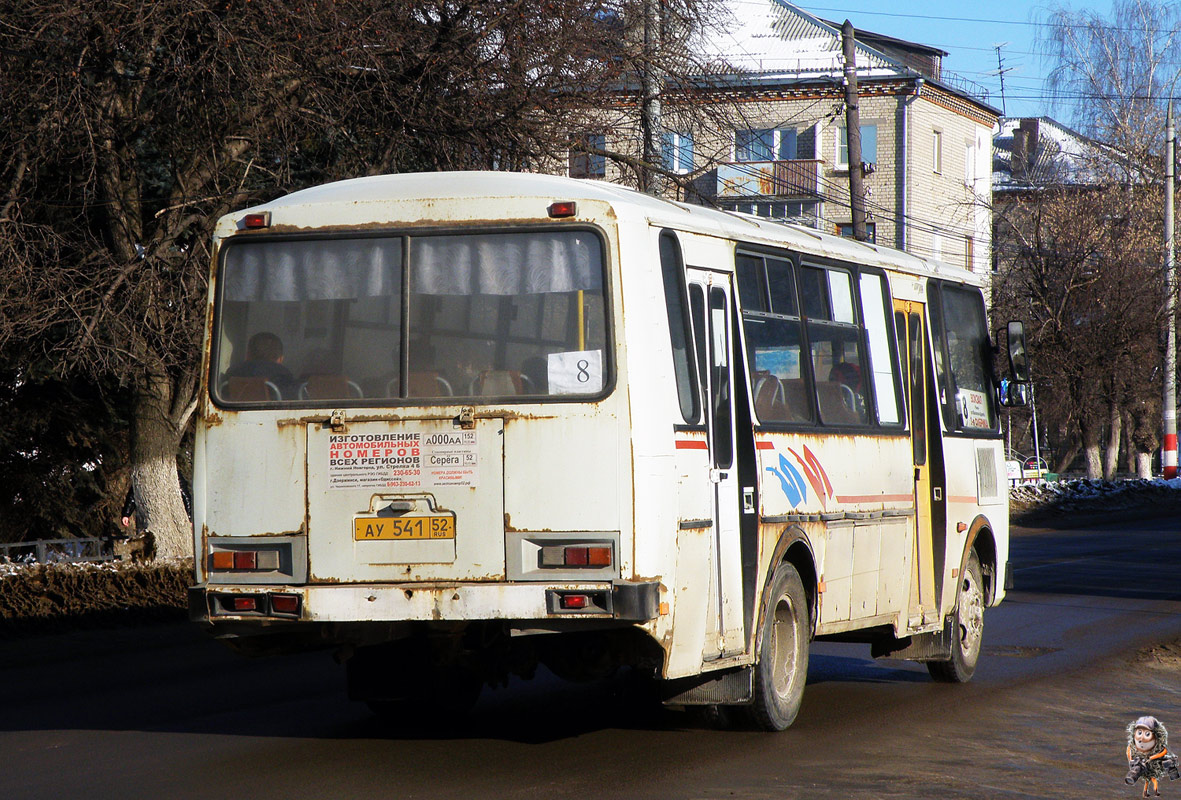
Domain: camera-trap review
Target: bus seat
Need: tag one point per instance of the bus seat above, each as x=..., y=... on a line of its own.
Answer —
x=424, y=384
x=770, y=401
x=328, y=387
x=498, y=383
x=838, y=406
x=249, y=389
x=795, y=398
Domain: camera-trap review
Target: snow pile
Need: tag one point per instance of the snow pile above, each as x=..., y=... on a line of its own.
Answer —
x=43, y=598
x=1055, y=498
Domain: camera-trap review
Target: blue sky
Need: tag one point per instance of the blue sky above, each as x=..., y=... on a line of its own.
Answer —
x=969, y=32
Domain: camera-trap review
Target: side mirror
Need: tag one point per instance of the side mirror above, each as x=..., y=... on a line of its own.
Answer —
x=1012, y=394
x=1018, y=358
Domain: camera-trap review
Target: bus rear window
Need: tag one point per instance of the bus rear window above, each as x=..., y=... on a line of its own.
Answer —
x=376, y=320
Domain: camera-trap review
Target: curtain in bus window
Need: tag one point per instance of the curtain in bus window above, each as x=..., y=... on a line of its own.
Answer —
x=882, y=364
x=507, y=263
x=506, y=315
x=312, y=269
x=969, y=358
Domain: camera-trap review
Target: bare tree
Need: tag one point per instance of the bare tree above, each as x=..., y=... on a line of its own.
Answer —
x=129, y=127
x=1080, y=268
x=1080, y=252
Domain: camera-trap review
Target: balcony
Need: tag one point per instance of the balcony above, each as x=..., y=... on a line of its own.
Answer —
x=797, y=179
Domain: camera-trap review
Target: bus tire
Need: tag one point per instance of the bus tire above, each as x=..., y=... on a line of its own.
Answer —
x=968, y=631
x=782, y=668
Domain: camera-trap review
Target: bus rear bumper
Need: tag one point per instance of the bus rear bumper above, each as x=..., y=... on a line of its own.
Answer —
x=626, y=601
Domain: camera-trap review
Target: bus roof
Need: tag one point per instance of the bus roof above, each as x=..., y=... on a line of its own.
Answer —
x=357, y=193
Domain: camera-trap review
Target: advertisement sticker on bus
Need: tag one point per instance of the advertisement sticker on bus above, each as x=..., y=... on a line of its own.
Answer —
x=412, y=460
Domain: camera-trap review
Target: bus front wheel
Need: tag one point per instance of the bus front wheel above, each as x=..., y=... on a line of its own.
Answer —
x=968, y=631
x=782, y=667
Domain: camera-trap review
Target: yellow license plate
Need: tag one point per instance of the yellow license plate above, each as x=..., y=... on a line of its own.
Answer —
x=373, y=529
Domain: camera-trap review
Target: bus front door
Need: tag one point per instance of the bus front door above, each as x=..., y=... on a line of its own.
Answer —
x=710, y=306
x=912, y=343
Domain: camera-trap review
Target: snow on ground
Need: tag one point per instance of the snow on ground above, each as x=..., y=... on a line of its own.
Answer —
x=1047, y=500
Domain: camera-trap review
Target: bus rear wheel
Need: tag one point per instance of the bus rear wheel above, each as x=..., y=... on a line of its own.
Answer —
x=968, y=632
x=782, y=668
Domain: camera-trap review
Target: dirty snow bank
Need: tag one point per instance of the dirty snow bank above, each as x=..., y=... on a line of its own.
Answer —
x=1084, y=498
x=45, y=598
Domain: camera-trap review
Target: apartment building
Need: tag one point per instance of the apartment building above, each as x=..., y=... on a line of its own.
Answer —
x=779, y=146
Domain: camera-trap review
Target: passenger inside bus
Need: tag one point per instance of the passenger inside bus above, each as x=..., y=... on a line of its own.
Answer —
x=264, y=360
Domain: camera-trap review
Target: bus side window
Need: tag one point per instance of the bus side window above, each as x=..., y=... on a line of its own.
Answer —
x=969, y=359
x=672, y=270
x=771, y=324
x=881, y=358
x=835, y=341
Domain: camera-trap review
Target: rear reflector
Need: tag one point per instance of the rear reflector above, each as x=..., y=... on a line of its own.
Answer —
x=245, y=604
x=575, y=601
x=285, y=603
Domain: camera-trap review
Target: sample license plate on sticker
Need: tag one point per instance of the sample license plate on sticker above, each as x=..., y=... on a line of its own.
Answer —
x=403, y=528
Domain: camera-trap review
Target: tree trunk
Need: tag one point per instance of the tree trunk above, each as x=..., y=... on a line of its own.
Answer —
x=1130, y=442
x=1111, y=457
x=155, y=441
x=1145, y=439
x=1144, y=465
x=1067, y=457
x=1091, y=450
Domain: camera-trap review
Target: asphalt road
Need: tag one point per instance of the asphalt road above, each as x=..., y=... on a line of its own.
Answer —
x=164, y=713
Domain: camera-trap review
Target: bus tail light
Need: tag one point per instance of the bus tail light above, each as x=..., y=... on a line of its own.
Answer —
x=285, y=603
x=578, y=601
x=576, y=556
x=244, y=603
x=238, y=560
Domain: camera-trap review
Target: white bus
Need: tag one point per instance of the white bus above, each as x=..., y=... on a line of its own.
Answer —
x=460, y=425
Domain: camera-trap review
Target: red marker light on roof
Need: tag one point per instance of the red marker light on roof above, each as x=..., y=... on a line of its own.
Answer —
x=563, y=208
x=261, y=219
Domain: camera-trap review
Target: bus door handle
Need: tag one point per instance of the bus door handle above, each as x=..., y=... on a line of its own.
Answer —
x=718, y=475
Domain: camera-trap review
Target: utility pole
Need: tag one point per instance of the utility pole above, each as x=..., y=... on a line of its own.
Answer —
x=651, y=126
x=1169, y=455
x=853, y=133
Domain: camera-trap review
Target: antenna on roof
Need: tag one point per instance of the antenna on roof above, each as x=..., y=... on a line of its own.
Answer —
x=1001, y=70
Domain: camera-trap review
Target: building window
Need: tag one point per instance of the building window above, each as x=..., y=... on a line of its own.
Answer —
x=937, y=152
x=970, y=164
x=770, y=210
x=677, y=152
x=845, y=229
x=970, y=253
x=765, y=144
x=869, y=146
x=586, y=156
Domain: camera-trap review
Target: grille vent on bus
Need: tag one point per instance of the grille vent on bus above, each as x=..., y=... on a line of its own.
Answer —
x=986, y=486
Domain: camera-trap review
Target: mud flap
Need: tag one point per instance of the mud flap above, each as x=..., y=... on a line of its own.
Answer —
x=726, y=687
x=934, y=646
